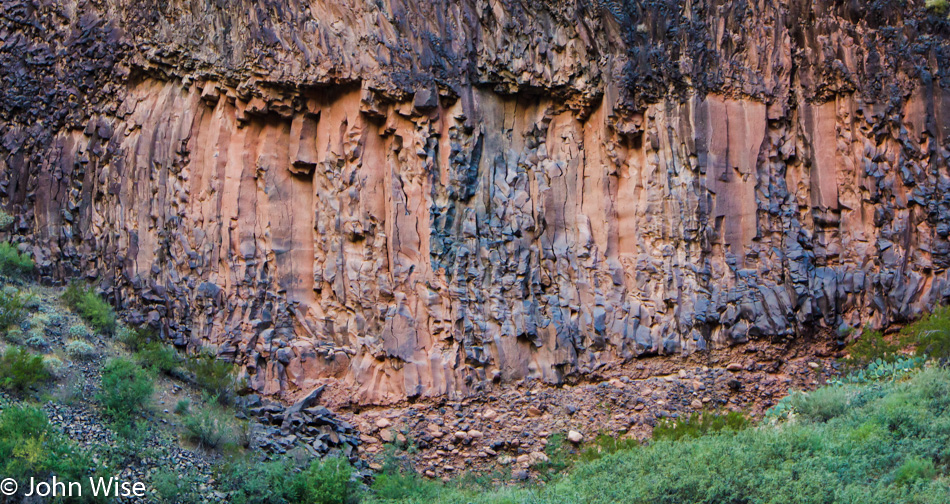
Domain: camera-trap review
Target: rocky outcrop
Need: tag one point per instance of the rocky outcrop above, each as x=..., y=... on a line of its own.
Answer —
x=426, y=198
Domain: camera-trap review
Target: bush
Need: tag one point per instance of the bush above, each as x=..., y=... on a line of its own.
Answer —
x=327, y=482
x=80, y=350
x=940, y=7
x=13, y=263
x=931, y=334
x=822, y=404
x=93, y=309
x=5, y=219
x=77, y=331
x=37, y=340
x=31, y=447
x=605, y=445
x=159, y=358
x=55, y=366
x=213, y=375
x=254, y=482
x=182, y=407
x=209, y=428
x=699, y=424
x=913, y=469
x=176, y=488
x=871, y=346
x=12, y=310
x=126, y=390
x=20, y=370
x=397, y=480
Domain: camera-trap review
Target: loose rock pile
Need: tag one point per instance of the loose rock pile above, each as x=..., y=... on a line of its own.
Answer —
x=277, y=430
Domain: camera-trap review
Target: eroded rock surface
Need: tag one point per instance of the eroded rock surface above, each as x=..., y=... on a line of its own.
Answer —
x=428, y=198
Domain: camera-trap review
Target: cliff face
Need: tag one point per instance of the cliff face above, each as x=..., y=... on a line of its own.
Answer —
x=425, y=198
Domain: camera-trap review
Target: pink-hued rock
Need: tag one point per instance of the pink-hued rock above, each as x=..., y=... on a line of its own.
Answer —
x=431, y=199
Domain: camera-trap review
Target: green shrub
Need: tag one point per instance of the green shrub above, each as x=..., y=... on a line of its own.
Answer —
x=931, y=334
x=560, y=454
x=13, y=263
x=20, y=370
x=80, y=350
x=173, y=487
x=182, y=407
x=821, y=405
x=93, y=309
x=36, y=339
x=209, y=428
x=135, y=339
x=126, y=390
x=214, y=376
x=699, y=424
x=940, y=7
x=871, y=346
x=605, y=444
x=31, y=447
x=5, y=219
x=327, y=482
x=12, y=310
x=16, y=335
x=159, y=358
x=77, y=331
x=251, y=481
x=913, y=469
x=397, y=480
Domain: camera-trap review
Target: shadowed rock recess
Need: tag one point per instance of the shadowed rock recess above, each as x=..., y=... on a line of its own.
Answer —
x=429, y=198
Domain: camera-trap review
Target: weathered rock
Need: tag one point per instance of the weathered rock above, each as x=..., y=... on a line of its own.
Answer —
x=431, y=200
x=575, y=437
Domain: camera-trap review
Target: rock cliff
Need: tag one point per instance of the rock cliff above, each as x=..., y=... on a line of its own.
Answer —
x=428, y=198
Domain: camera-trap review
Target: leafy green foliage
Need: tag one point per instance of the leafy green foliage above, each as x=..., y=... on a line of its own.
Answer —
x=931, y=334
x=93, y=309
x=699, y=424
x=213, y=375
x=255, y=482
x=182, y=407
x=327, y=481
x=126, y=390
x=913, y=469
x=12, y=309
x=172, y=487
x=397, y=480
x=20, y=370
x=872, y=346
x=31, y=447
x=159, y=358
x=13, y=263
x=209, y=428
x=941, y=7
x=605, y=444
x=888, y=446
x=80, y=350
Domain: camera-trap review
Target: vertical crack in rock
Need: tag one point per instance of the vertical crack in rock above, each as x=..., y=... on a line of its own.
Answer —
x=422, y=199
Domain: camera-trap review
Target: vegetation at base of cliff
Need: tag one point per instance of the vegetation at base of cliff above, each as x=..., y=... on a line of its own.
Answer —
x=30, y=446
x=941, y=7
x=92, y=308
x=13, y=263
x=880, y=442
x=126, y=390
x=928, y=337
x=20, y=370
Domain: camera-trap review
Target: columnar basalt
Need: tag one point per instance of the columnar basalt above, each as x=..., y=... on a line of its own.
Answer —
x=428, y=198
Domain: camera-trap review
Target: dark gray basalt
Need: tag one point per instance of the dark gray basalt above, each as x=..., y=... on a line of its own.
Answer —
x=426, y=198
